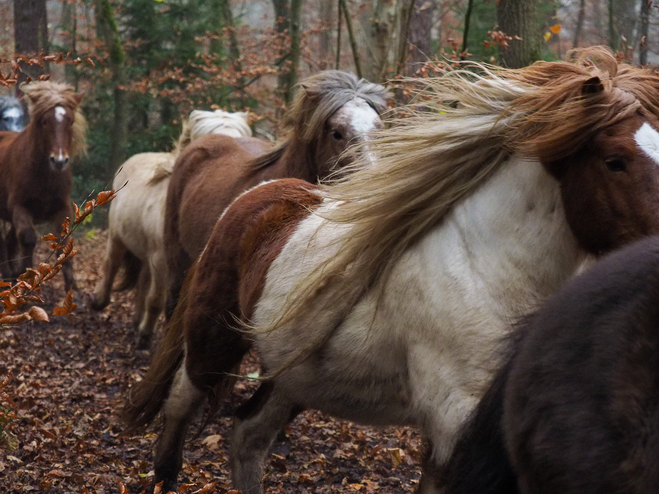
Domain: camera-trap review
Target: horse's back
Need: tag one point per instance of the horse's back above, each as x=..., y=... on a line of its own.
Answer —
x=212, y=166
x=254, y=229
x=137, y=213
x=582, y=409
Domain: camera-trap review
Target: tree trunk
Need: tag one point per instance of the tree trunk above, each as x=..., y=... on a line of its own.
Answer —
x=405, y=16
x=30, y=33
x=579, y=26
x=351, y=37
x=294, y=59
x=325, y=38
x=108, y=32
x=465, y=34
x=382, y=31
x=70, y=25
x=614, y=41
x=643, y=32
x=519, y=18
x=420, y=34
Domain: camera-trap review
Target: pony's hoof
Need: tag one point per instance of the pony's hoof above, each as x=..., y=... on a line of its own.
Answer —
x=97, y=304
x=143, y=343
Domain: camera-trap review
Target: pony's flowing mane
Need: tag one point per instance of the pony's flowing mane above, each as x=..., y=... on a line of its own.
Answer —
x=317, y=99
x=41, y=96
x=212, y=122
x=429, y=162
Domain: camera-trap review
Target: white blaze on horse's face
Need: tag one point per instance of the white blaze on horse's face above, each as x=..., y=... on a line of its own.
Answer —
x=60, y=113
x=351, y=124
x=647, y=138
x=59, y=153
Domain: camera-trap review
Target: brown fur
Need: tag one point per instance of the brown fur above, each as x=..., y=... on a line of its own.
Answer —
x=31, y=190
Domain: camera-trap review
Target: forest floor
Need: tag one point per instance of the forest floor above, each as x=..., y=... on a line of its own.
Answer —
x=72, y=374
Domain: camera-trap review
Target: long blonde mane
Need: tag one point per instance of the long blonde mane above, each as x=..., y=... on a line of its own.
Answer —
x=201, y=122
x=473, y=121
x=41, y=96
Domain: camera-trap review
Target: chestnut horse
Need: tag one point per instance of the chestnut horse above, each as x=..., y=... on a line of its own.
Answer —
x=35, y=172
x=331, y=110
x=137, y=217
x=576, y=408
x=383, y=299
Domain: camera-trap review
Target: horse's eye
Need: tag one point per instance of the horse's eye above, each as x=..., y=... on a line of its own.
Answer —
x=337, y=135
x=615, y=164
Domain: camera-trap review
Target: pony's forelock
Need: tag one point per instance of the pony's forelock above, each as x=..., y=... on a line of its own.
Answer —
x=317, y=99
x=41, y=96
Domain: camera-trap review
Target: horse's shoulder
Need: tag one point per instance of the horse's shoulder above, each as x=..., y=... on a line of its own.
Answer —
x=255, y=228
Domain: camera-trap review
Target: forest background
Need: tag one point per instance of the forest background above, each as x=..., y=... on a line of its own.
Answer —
x=147, y=63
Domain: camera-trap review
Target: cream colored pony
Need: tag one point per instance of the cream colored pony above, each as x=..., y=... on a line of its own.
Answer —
x=137, y=217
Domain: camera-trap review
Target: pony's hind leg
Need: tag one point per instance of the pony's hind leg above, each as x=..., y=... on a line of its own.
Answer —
x=114, y=253
x=256, y=425
x=141, y=290
x=184, y=400
x=155, y=293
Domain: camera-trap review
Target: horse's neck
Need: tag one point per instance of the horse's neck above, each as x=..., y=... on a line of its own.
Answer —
x=293, y=163
x=510, y=237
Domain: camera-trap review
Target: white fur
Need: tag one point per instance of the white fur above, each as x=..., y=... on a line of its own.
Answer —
x=60, y=113
x=363, y=118
x=218, y=122
x=648, y=140
x=423, y=352
x=13, y=113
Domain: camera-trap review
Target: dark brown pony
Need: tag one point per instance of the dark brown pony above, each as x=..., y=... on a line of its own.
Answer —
x=576, y=408
x=35, y=172
x=331, y=110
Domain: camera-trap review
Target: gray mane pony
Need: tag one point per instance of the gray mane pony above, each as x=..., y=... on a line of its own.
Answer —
x=11, y=114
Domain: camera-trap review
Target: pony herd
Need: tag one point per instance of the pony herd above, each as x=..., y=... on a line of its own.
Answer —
x=410, y=289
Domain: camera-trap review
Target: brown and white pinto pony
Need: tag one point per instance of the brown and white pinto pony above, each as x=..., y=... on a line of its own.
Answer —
x=331, y=110
x=35, y=172
x=137, y=216
x=384, y=298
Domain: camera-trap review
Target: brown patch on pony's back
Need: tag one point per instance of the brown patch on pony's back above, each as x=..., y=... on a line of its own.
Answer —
x=286, y=202
x=41, y=96
x=318, y=98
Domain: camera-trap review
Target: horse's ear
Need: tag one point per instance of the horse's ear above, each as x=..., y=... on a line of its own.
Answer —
x=78, y=98
x=592, y=86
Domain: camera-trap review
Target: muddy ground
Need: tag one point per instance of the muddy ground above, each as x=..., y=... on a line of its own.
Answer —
x=71, y=375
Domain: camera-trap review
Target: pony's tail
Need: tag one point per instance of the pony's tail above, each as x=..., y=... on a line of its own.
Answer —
x=480, y=463
x=131, y=267
x=147, y=397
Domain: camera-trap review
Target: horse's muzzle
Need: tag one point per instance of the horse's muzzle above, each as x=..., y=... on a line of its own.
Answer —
x=59, y=163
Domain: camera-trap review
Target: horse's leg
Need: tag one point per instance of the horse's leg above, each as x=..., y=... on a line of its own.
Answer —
x=154, y=304
x=26, y=236
x=5, y=268
x=183, y=402
x=256, y=425
x=141, y=289
x=431, y=473
x=114, y=253
x=213, y=352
